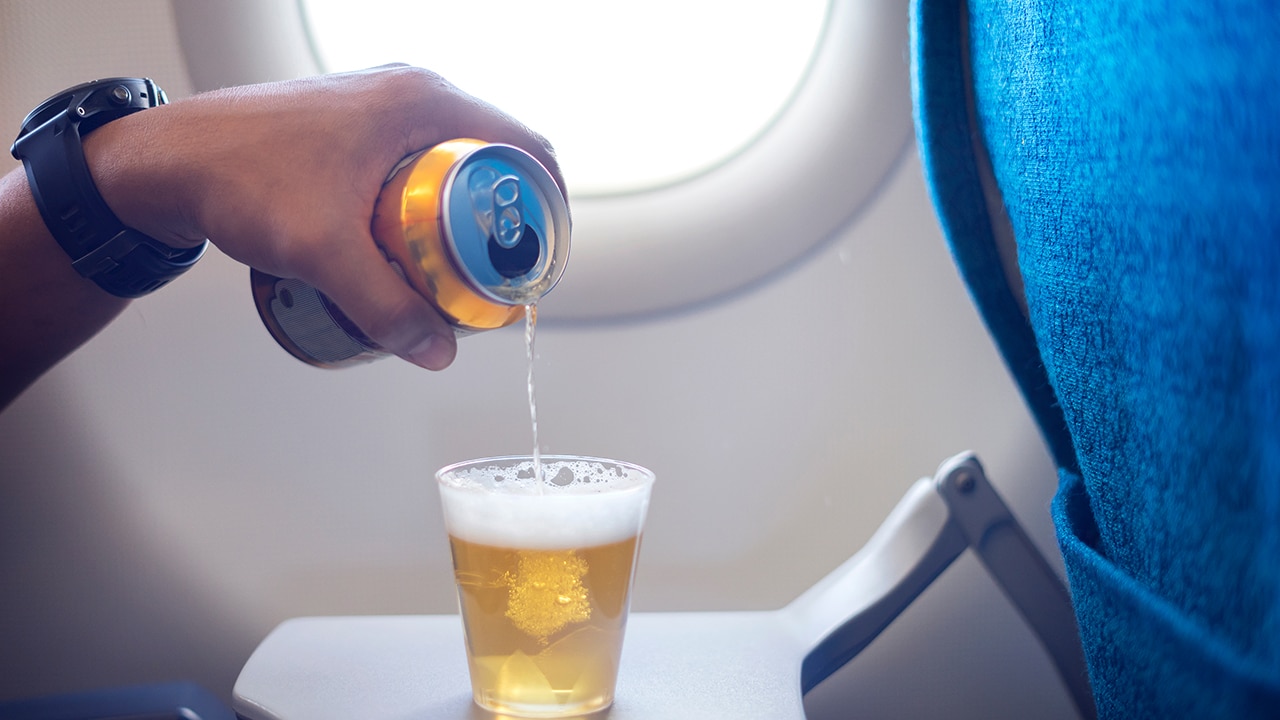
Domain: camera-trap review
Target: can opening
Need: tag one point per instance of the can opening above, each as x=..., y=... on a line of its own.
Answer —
x=518, y=260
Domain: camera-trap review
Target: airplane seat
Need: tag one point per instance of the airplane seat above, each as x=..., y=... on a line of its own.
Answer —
x=165, y=701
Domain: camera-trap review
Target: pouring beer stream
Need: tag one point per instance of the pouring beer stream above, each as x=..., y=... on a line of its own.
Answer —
x=530, y=333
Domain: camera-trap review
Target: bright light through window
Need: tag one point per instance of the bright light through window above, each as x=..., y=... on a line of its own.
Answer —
x=633, y=95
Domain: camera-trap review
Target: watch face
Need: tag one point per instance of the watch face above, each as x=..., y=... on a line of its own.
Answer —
x=54, y=105
x=46, y=111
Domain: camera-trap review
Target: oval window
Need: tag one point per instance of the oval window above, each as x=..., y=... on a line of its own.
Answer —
x=707, y=145
x=633, y=95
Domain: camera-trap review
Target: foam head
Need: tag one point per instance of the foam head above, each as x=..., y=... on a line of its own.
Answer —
x=579, y=502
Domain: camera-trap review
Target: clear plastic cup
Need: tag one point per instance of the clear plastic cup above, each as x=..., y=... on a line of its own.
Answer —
x=544, y=564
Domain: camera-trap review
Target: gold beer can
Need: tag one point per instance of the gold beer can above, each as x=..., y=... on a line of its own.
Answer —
x=479, y=229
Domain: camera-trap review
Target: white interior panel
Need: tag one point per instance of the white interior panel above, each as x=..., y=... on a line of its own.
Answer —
x=181, y=485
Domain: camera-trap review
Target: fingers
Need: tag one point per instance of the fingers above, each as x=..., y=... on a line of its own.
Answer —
x=289, y=177
x=421, y=110
x=434, y=110
x=384, y=306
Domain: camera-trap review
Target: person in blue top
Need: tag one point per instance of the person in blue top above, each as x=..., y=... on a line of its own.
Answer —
x=1108, y=176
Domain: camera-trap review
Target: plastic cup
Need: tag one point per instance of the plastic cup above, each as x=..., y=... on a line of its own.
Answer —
x=544, y=564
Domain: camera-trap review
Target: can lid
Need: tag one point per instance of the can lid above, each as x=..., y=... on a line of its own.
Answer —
x=506, y=224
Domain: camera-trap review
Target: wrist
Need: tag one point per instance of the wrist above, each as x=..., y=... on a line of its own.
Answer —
x=121, y=259
x=47, y=310
x=149, y=190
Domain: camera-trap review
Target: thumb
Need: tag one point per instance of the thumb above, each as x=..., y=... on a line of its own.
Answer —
x=385, y=307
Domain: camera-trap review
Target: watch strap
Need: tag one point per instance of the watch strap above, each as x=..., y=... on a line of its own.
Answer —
x=121, y=260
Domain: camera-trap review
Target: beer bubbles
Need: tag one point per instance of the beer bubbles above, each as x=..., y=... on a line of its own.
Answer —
x=491, y=504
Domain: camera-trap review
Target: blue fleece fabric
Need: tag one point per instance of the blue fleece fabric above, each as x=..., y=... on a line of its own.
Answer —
x=1136, y=144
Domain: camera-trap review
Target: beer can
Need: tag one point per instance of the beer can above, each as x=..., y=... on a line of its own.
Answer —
x=479, y=229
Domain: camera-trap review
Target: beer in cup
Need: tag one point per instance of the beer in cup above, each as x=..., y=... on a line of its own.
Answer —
x=544, y=563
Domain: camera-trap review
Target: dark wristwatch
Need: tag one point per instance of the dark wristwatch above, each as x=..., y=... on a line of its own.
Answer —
x=121, y=260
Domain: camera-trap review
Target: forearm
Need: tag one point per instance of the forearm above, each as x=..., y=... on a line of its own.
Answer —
x=46, y=309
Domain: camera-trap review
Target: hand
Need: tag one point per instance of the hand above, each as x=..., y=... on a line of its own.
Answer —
x=283, y=177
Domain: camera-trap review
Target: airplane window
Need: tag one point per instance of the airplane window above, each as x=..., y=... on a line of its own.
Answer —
x=634, y=95
x=707, y=146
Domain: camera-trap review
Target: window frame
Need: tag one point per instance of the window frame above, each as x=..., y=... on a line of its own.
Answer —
x=707, y=237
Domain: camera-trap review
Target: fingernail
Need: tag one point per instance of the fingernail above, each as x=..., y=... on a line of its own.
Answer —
x=434, y=353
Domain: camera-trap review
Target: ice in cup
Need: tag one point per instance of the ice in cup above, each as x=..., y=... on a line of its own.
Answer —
x=544, y=565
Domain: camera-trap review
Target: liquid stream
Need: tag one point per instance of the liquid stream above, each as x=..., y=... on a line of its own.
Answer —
x=530, y=328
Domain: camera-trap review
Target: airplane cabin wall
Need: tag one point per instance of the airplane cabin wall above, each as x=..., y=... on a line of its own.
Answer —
x=180, y=485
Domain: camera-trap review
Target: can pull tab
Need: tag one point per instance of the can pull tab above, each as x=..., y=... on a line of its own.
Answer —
x=495, y=200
